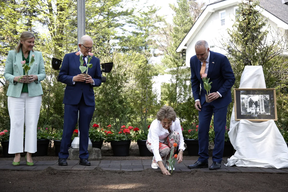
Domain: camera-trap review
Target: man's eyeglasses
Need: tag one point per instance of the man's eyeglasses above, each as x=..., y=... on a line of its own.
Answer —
x=88, y=48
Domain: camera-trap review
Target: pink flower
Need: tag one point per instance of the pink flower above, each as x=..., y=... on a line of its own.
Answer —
x=130, y=127
x=5, y=131
x=23, y=62
x=2, y=133
x=33, y=55
x=204, y=75
x=90, y=54
x=77, y=53
x=109, y=126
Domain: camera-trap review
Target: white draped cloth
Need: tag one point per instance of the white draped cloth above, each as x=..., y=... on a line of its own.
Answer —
x=257, y=144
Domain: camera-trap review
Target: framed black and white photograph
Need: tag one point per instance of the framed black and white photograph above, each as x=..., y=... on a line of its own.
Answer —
x=255, y=104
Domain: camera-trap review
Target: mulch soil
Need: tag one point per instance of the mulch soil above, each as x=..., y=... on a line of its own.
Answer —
x=147, y=180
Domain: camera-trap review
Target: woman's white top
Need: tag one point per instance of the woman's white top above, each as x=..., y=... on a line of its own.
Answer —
x=158, y=134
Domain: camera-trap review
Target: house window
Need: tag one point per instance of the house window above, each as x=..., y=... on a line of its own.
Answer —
x=236, y=12
x=222, y=17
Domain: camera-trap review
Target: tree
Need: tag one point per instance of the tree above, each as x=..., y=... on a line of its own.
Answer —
x=249, y=44
x=129, y=85
x=178, y=94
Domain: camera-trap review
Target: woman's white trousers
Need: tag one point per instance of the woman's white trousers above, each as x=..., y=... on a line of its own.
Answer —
x=23, y=110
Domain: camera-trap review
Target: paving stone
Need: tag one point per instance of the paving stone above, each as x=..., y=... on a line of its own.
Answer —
x=128, y=165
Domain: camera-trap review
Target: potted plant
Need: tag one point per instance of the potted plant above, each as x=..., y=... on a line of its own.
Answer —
x=120, y=140
x=140, y=135
x=190, y=134
x=228, y=147
x=57, y=137
x=4, y=139
x=44, y=135
x=96, y=136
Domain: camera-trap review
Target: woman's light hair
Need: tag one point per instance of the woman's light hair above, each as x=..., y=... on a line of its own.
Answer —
x=24, y=36
x=166, y=112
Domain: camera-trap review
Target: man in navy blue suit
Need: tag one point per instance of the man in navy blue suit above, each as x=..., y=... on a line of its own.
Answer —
x=216, y=67
x=79, y=98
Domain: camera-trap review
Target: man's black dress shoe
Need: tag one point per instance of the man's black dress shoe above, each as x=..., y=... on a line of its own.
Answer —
x=198, y=164
x=215, y=166
x=84, y=162
x=62, y=162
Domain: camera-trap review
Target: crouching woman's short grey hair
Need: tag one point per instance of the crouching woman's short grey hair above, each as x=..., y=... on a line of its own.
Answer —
x=166, y=112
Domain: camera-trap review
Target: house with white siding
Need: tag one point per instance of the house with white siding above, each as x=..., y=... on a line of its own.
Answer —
x=219, y=16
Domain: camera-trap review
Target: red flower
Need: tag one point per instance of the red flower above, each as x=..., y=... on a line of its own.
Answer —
x=2, y=133
x=175, y=156
x=75, y=131
x=130, y=127
x=119, y=132
x=190, y=130
x=126, y=131
x=123, y=126
x=197, y=126
x=95, y=125
x=108, y=132
x=109, y=126
x=196, y=129
x=148, y=126
x=136, y=129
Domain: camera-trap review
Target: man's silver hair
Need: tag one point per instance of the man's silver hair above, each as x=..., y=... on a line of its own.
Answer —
x=202, y=43
x=85, y=38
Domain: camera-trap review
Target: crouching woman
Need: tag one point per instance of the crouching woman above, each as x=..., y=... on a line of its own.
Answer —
x=163, y=133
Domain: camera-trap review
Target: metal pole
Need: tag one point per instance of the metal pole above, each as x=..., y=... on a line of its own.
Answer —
x=80, y=18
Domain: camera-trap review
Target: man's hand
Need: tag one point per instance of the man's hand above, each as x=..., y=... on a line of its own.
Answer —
x=79, y=78
x=89, y=79
x=213, y=96
x=198, y=105
x=83, y=78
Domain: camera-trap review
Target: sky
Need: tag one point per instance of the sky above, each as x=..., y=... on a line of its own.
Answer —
x=165, y=10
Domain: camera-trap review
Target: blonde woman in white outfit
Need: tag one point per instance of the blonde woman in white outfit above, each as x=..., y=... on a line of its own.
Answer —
x=163, y=133
x=24, y=96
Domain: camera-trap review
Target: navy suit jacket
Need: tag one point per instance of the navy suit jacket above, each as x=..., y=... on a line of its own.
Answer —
x=74, y=92
x=220, y=74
